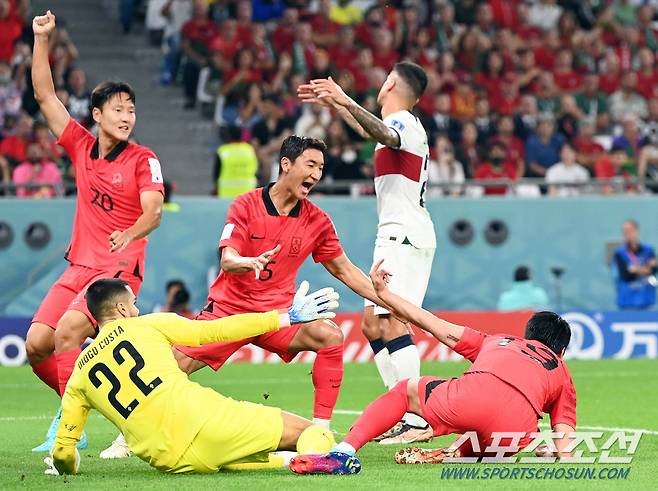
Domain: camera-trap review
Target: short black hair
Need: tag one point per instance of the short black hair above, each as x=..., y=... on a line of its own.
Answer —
x=174, y=282
x=102, y=294
x=522, y=273
x=633, y=222
x=181, y=297
x=293, y=146
x=549, y=329
x=104, y=91
x=413, y=75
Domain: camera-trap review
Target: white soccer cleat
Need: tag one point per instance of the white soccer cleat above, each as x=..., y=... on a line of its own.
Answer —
x=409, y=434
x=118, y=450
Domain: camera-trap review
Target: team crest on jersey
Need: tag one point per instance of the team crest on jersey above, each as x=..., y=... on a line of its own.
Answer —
x=295, y=246
x=117, y=181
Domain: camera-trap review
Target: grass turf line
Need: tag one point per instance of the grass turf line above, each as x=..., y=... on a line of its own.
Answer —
x=611, y=393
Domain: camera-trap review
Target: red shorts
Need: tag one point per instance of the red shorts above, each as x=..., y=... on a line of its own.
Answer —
x=479, y=402
x=68, y=292
x=215, y=354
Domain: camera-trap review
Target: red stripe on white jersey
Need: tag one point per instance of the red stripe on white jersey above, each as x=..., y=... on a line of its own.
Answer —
x=389, y=161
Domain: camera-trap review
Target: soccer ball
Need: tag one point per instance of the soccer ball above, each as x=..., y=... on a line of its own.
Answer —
x=314, y=440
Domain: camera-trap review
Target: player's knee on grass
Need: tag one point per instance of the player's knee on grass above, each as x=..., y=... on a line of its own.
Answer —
x=40, y=343
x=72, y=330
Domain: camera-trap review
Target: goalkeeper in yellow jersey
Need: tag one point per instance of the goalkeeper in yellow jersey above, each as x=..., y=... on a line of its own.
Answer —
x=129, y=374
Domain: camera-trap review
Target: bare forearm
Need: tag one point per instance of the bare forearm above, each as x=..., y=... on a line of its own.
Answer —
x=562, y=444
x=352, y=122
x=446, y=332
x=42, y=78
x=145, y=224
x=360, y=284
x=232, y=262
x=372, y=125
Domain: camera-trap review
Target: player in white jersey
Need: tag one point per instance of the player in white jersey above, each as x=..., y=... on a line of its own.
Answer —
x=405, y=233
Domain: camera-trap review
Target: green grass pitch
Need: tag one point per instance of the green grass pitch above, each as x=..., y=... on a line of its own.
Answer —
x=611, y=394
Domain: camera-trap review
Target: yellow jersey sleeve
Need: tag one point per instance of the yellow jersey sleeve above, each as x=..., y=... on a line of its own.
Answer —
x=179, y=330
x=75, y=411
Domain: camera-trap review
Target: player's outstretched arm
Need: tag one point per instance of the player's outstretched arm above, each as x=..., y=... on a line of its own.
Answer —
x=52, y=108
x=562, y=444
x=75, y=411
x=375, y=127
x=446, y=332
x=343, y=269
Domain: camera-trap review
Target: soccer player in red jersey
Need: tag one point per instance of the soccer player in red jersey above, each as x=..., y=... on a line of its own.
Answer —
x=120, y=196
x=269, y=233
x=513, y=381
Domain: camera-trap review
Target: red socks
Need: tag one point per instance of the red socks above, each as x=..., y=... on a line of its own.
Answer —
x=327, y=377
x=379, y=416
x=47, y=372
x=65, y=365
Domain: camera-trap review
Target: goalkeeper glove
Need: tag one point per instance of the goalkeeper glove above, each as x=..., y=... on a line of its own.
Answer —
x=314, y=306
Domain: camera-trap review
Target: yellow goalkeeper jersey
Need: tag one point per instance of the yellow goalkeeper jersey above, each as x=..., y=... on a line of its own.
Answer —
x=129, y=374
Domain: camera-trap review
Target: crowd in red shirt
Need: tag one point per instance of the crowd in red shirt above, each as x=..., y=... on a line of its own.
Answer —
x=520, y=59
x=29, y=155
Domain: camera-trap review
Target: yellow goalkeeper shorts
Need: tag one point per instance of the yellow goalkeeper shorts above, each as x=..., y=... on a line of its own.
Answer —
x=238, y=432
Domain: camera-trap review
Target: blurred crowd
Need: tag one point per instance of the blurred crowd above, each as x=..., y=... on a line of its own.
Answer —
x=559, y=90
x=30, y=160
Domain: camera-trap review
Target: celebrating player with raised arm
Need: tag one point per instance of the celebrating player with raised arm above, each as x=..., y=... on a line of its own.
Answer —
x=129, y=374
x=513, y=381
x=120, y=195
x=405, y=233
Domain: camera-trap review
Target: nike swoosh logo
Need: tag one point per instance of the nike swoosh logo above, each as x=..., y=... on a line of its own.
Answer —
x=254, y=236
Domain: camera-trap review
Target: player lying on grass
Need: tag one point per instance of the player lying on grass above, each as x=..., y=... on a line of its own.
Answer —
x=513, y=381
x=129, y=374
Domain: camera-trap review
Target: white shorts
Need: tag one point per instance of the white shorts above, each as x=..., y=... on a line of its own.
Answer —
x=410, y=266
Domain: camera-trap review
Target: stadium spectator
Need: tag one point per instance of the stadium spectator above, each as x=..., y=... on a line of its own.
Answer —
x=236, y=165
x=566, y=78
x=268, y=134
x=41, y=174
x=344, y=13
x=468, y=151
x=236, y=82
x=14, y=146
x=526, y=118
x=180, y=304
x=593, y=103
x=11, y=28
x=568, y=117
x=79, y=104
x=632, y=140
x=196, y=36
x=441, y=121
x=171, y=287
x=634, y=268
x=566, y=171
x=484, y=120
x=176, y=13
x=524, y=294
x=612, y=167
x=445, y=169
x=284, y=34
x=626, y=100
x=313, y=122
x=514, y=147
x=544, y=14
x=543, y=149
x=10, y=95
x=547, y=94
x=496, y=168
x=588, y=150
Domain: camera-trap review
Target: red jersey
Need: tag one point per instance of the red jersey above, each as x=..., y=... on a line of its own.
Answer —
x=108, y=199
x=529, y=366
x=254, y=226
